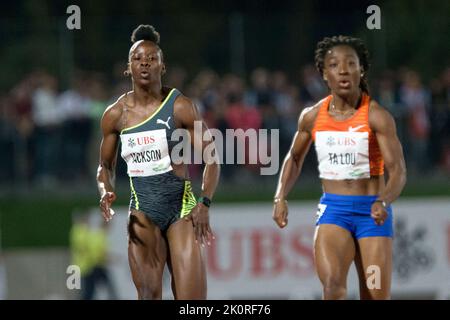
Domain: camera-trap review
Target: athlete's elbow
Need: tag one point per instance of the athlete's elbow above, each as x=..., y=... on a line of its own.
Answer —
x=212, y=160
x=401, y=167
x=103, y=169
x=398, y=171
x=295, y=158
x=404, y=175
x=107, y=165
x=216, y=168
x=100, y=169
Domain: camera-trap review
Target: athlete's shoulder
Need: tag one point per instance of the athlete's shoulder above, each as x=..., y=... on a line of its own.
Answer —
x=185, y=111
x=377, y=110
x=183, y=104
x=309, y=114
x=113, y=113
x=379, y=116
x=115, y=109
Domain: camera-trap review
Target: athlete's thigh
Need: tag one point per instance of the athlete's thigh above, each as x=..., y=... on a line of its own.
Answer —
x=374, y=264
x=334, y=251
x=147, y=250
x=187, y=261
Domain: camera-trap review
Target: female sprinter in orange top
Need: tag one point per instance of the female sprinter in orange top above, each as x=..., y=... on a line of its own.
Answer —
x=355, y=139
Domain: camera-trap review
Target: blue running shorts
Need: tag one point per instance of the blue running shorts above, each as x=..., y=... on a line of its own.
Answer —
x=353, y=214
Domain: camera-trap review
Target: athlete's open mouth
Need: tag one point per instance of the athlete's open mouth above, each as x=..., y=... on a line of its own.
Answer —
x=344, y=84
x=144, y=74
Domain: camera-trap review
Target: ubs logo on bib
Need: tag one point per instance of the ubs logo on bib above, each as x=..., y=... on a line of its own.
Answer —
x=340, y=141
x=346, y=141
x=145, y=140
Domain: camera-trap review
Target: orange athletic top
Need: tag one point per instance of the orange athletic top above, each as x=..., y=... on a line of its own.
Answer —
x=346, y=149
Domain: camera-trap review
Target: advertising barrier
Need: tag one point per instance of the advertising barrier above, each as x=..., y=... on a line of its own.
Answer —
x=251, y=258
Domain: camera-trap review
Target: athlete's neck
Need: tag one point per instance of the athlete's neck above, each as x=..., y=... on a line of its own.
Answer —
x=341, y=103
x=148, y=94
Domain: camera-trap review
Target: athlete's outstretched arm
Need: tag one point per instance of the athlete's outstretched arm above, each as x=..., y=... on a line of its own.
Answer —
x=291, y=168
x=383, y=125
x=188, y=114
x=107, y=162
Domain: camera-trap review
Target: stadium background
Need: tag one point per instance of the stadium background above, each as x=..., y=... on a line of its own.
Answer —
x=247, y=65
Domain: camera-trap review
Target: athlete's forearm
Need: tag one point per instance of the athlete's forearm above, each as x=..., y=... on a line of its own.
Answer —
x=289, y=174
x=211, y=175
x=105, y=179
x=395, y=184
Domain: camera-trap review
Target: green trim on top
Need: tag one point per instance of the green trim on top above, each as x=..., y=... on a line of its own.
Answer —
x=134, y=194
x=154, y=113
x=189, y=201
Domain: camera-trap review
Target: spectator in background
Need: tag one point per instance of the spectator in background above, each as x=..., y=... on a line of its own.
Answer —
x=89, y=252
x=239, y=115
x=23, y=121
x=285, y=99
x=387, y=95
x=262, y=97
x=207, y=82
x=46, y=136
x=74, y=107
x=8, y=140
x=259, y=93
x=446, y=144
x=176, y=77
x=120, y=84
x=312, y=87
x=416, y=99
x=440, y=119
x=386, y=92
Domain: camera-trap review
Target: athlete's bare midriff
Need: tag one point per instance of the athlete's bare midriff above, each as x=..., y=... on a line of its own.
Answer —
x=372, y=186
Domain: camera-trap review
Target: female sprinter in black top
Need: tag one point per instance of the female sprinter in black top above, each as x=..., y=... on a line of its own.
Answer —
x=166, y=223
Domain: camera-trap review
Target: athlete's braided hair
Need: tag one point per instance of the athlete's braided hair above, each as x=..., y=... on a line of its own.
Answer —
x=145, y=32
x=355, y=43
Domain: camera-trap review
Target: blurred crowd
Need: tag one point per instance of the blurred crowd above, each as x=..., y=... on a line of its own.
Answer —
x=50, y=134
